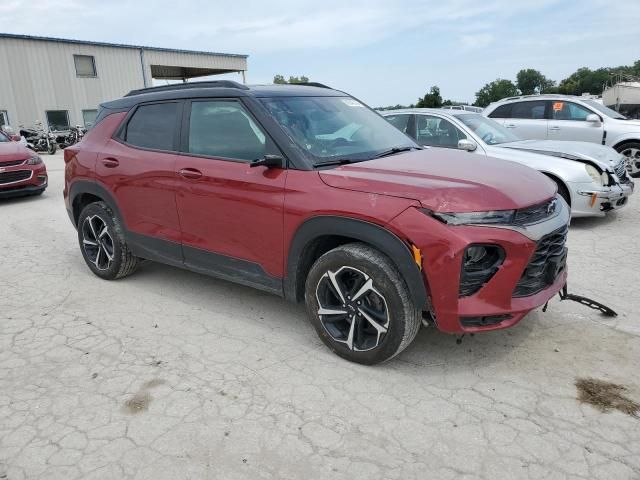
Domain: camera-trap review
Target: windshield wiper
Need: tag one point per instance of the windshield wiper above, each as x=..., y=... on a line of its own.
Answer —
x=394, y=150
x=337, y=161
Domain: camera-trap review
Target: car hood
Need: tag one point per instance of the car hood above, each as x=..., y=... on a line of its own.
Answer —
x=603, y=156
x=446, y=180
x=14, y=151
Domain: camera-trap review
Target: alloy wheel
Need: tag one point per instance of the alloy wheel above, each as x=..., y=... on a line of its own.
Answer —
x=632, y=155
x=97, y=242
x=351, y=310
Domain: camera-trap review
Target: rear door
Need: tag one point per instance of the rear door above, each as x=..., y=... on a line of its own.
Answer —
x=231, y=214
x=138, y=168
x=569, y=122
x=528, y=120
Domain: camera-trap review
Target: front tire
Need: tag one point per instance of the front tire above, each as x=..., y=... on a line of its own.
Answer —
x=102, y=243
x=52, y=149
x=360, y=305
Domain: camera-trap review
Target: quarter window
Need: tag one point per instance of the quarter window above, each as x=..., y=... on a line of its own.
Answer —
x=224, y=129
x=401, y=122
x=569, y=111
x=503, y=111
x=153, y=126
x=85, y=65
x=529, y=110
x=437, y=132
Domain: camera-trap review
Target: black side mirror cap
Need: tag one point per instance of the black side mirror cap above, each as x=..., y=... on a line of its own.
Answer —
x=269, y=161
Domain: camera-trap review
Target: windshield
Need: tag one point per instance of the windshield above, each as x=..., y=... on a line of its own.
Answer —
x=490, y=131
x=336, y=128
x=604, y=110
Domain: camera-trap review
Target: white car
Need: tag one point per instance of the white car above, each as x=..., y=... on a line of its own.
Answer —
x=566, y=117
x=591, y=178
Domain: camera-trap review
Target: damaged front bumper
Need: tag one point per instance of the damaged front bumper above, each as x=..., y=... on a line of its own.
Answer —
x=589, y=200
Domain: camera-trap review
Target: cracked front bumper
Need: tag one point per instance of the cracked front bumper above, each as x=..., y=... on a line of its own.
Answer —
x=590, y=201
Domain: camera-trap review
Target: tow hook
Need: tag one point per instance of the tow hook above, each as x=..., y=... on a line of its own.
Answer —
x=565, y=295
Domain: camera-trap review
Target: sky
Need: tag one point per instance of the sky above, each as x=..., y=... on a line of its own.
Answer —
x=384, y=52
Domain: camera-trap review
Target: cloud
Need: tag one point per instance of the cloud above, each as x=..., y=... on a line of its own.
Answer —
x=476, y=41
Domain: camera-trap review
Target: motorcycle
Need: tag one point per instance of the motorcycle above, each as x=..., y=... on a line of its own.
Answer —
x=71, y=137
x=38, y=139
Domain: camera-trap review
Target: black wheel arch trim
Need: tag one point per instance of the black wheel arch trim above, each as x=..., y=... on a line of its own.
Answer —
x=80, y=187
x=370, y=233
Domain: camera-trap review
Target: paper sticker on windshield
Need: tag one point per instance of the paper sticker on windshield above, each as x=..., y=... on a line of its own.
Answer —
x=557, y=106
x=351, y=102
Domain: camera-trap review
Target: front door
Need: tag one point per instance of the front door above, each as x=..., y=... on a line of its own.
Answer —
x=231, y=214
x=569, y=122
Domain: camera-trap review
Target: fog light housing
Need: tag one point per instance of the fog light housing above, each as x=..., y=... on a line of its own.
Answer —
x=479, y=264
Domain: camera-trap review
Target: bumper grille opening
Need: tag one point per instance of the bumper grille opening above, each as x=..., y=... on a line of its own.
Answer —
x=547, y=262
x=479, y=264
x=16, y=176
x=483, y=321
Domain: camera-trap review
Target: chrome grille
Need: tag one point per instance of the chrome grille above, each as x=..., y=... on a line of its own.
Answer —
x=11, y=163
x=621, y=171
x=536, y=213
x=547, y=262
x=15, y=176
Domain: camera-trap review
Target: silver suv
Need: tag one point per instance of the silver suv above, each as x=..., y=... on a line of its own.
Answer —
x=566, y=117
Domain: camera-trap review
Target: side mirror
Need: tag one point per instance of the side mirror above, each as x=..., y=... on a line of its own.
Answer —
x=269, y=161
x=466, y=144
x=593, y=118
x=15, y=138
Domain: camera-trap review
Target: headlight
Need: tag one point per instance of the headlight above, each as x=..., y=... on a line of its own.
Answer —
x=495, y=217
x=35, y=160
x=596, y=176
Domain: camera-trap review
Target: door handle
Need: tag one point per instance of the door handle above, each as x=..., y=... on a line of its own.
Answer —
x=510, y=125
x=555, y=129
x=190, y=173
x=110, y=162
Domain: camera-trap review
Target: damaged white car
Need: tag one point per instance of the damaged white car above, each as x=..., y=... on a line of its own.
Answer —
x=592, y=178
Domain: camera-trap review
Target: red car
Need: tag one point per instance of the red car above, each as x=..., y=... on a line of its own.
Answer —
x=22, y=171
x=305, y=192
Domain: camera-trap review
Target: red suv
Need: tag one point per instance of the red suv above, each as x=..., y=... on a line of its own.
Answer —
x=21, y=170
x=305, y=192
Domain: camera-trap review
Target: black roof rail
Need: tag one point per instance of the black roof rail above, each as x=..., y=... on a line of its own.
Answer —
x=184, y=86
x=312, y=84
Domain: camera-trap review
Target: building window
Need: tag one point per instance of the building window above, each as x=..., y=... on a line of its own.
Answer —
x=58, y=119
x=4, y=118
x=89, y=117
x=85, y=65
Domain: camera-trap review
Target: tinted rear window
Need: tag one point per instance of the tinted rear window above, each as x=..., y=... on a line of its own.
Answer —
x=153, y=126
x=530, y=110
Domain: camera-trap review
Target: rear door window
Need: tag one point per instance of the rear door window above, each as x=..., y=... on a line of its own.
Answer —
x=529, y=110
x=153, y=126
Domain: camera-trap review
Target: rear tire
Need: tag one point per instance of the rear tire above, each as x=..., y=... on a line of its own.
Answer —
x=52, y=149
x=102, y=243
x=631, y=150
x=360, y=305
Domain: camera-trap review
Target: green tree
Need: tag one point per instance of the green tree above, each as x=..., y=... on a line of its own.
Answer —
x=280, y=79
x=530, y=81
x=585, y=80
x=431, y=99
x=494, y=91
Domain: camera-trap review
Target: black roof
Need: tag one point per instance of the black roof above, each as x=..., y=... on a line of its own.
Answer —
x=220, y=88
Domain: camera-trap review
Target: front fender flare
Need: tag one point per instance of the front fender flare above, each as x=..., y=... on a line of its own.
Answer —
x=372, y=234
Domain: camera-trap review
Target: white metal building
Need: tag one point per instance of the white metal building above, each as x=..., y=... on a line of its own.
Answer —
x=61, y=82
